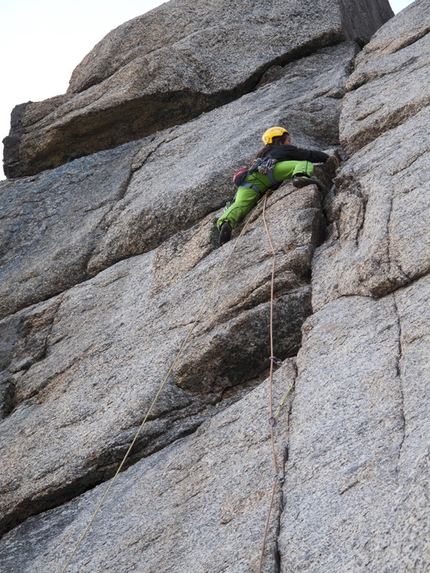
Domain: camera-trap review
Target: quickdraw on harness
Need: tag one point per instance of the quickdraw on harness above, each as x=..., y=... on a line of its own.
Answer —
x=263, y=165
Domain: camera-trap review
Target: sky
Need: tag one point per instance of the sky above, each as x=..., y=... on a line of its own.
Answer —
x=42, y=41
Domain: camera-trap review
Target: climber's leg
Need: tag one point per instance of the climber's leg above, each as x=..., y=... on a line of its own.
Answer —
x=244, y=201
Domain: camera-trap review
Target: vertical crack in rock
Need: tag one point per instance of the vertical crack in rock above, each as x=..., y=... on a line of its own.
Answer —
x=282, y=406
x=394, y=267
x=399, y=373
x=31, y=346
x=122, y=191
x=111, y=218
x=7, y=393
x=56, y=310
x=282, y=495
x=361, y=216
x=389, y=249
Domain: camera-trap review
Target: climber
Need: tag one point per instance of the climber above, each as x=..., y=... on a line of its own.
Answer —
x=291, y=163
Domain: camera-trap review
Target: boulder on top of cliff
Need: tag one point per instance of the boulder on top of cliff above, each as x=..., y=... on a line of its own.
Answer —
x=170, y=65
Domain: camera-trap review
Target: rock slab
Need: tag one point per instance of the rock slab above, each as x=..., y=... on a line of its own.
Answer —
x=198, y=505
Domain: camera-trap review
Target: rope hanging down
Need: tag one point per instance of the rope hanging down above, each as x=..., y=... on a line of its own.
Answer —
x=272, y=417
x=162, y=385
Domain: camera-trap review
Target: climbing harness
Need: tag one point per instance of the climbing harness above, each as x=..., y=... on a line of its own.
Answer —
x=262, y=165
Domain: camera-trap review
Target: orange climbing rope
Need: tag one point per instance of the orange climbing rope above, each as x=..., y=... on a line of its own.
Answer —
x=162, y=385
x=271, y=418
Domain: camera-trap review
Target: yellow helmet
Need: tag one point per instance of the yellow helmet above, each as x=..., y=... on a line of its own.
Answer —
x=272, y=132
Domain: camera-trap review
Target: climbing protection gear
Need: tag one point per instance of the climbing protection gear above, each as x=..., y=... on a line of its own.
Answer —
x=224, y=234
x=263, y=165
x=272, y=132
x=301, y=180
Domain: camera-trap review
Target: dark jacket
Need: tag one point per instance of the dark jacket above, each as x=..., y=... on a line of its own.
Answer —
x=292, y=153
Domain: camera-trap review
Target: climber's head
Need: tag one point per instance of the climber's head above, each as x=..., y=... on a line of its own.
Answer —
x=275, y=136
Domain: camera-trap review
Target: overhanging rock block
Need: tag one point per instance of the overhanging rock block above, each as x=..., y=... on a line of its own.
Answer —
x=170, y=65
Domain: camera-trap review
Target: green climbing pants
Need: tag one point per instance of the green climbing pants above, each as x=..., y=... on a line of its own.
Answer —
x=247, y=198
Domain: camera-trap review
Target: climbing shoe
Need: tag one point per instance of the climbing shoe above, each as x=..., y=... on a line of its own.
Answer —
x=224, y=233
x=302, y=180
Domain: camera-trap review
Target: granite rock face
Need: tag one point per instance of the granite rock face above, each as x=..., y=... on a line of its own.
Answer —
x=82, y=354
x=356, y=494
x=211, y=493
x=65, y=225
x=52, y=223
x=362, y=456
x=112, y=338
x=380, y=237
x=170, y=65
x=388, y=85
